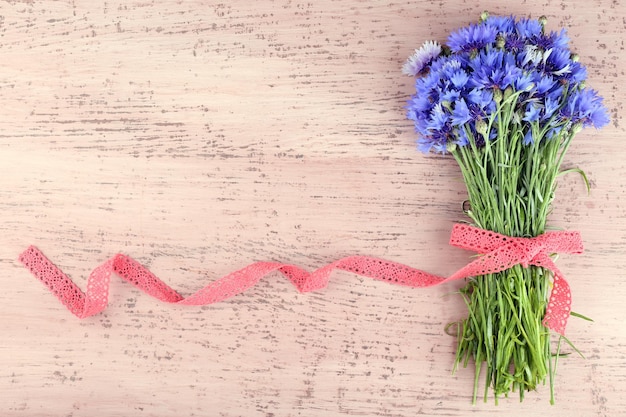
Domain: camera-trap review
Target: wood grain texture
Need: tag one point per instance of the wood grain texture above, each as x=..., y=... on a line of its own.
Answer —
x=198, y=137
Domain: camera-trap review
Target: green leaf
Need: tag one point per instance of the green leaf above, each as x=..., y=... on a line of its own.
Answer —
x=581, y=173
x=573, y=347
x=580, y=316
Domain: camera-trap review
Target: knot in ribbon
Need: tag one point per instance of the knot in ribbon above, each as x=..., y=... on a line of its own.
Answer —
x=499, y=252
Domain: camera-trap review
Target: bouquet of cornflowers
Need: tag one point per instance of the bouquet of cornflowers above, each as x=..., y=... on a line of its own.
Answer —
x=504, y=98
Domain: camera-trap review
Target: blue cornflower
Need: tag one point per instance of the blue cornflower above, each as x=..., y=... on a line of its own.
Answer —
x=532, y=112
x=461, y=113
x=546, y=83
x=514, y=43
x=449, y=67
x=553, y=40
x=438, y=119
x=586, y=106
x=482, y=98
x=557, y=61
x=550, y=107
x=420, y=103
x=439, y=132
x=424, y=145
x=494, y=68
x=463, y=138
x=450, y=95
x=578, y=73
x=524, y=82
x=472, y=37
x=503, y=24
x=425, y=85
x=422, y=58
x=556, y=93
x=459, y=79
x=528, y=28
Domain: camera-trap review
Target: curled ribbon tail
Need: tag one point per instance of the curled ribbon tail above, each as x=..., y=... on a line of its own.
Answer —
x=52, y=277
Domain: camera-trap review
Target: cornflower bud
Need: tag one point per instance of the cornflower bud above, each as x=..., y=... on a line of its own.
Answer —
x=497, y=95
x=481, y=127
x=508, y=92
x=500, y=42
x=543, y=20
x=578, y=126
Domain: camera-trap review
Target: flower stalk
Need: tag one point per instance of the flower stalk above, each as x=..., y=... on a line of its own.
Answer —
x=511, y=187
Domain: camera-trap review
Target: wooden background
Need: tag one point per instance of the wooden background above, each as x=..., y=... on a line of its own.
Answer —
x=198, y=137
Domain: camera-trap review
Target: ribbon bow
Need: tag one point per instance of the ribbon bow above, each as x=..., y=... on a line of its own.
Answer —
x=499, y=252
x=502, y=252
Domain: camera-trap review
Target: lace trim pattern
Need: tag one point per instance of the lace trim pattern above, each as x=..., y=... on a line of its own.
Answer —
x=499, y=252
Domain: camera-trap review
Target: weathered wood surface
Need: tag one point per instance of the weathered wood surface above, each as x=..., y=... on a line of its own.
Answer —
x=200, y=136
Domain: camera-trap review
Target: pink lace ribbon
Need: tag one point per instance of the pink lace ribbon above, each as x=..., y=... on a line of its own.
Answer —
x=499, y=253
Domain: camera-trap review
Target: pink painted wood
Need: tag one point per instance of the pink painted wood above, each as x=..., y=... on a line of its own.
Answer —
x=201, y=137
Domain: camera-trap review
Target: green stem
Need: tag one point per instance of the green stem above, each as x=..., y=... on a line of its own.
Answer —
x=510, y=187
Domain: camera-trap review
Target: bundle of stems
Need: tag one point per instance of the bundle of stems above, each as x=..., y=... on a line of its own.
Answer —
x=511, y=186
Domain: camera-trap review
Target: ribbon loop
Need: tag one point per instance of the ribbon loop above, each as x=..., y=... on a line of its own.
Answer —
x=498, y=253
